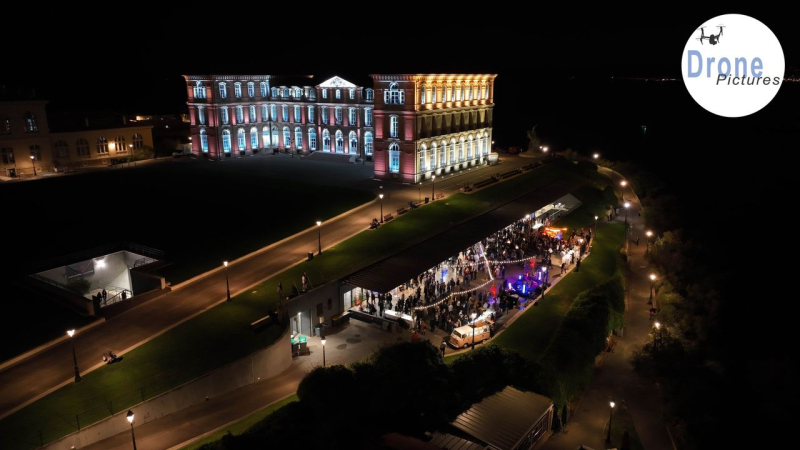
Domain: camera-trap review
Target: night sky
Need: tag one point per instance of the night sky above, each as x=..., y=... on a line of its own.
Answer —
x=733, y=176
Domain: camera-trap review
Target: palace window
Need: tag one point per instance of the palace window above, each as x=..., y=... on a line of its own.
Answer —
x=326, y=140
x=325, y=115
x=203, y=141
x=338, y=94
x=8, y=155
x=338, y=115
x=353, y=142
x=312, y=139
x=237, y=89
x=287, y=138
x=102, y=145
x=264, y=89
x=368, y=143
x=311, y=114
x=298, y=138
x=422, y=93
x=31, y=125
x=253, y=137
x=352, y=94
x=339, y=141
x=201, y=115
x=62, y=149
x=285, y=112
x=393, y=126
x=353, y=119
x=265, y=137
x=119, y=145
x=273, y=112
x=240, y=139
x=394, y=95
x=82, y=147
x=199, y=90
x=368, y=117
x=138, y=142
x=226, y=141
x=251, y=89
x=253, y=117
x=370, y=94
x=298, y=114
x=223, y=90
x=394, y=157
x=36, y=152
x=239, y=114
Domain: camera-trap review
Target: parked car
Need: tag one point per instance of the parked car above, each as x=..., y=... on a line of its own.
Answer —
x=462, y=336
x=183, y=151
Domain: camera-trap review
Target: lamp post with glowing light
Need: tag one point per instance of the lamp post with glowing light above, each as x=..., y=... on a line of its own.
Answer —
x=130, y=420
x=227, y=282
x=649, y=234
x=323, y=340
x=381, y=197
x=419, y=192
x=657, y=335
x=319, y=236
x=433, y=188
x=544, y=148
x=595, y=225
x=473, y=316
x=33, y=163
x=544, y=280
x=627, y=205
x=623, y=183
x=596, y=155
x=652, y=281
x=608, y=436
x=71, y=333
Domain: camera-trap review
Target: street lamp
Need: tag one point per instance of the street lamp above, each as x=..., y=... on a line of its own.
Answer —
x=657, y=334
x=595, y=225
x=319, y=236
x=130, y=420
x=623, y=183
x=652, y=280
x=227, y=282
x=627, y=205
x=381, y=197
x=544, y=280
x=649, y=234
x=71, y=333
x=323, y=350
x=473, y=316
x=419, y=192
x=33, y=163
x=545, y=149
x=596, y=155
x=608, y=436
x=433, y=188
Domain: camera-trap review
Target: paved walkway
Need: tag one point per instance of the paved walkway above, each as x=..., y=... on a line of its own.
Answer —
x=616, y=380
x=39, y=375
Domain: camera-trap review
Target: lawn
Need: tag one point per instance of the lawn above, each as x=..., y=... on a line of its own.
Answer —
x=243, y=424
x=222, y=335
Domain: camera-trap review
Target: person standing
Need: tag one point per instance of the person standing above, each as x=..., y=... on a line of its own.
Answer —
x=105, y=295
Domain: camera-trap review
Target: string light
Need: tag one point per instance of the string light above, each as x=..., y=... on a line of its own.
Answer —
x=420, y=308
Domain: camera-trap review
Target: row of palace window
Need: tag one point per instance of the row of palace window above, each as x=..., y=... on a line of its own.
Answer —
x=271, y=139
x=283, y=92
x=271, y=111
x=447, y=154
x=29, y=121
x=453, y=93
x=61, y=148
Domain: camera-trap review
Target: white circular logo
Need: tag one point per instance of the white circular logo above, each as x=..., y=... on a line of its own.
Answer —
x=733, y=65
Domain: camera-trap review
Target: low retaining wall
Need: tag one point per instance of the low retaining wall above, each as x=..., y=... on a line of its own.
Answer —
x=260, y=365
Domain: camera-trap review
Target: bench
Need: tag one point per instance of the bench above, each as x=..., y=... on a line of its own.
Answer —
x=413, y=205
x=486, y=182
x=402, y=211
x=262, y=322
x=439, y=196
x=510, y=173
x=388, y=217
x=340, y=319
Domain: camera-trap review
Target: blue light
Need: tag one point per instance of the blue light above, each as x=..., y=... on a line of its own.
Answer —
x=509, y=286
x=523, y=288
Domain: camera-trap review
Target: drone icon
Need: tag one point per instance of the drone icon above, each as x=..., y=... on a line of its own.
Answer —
x=712, y=39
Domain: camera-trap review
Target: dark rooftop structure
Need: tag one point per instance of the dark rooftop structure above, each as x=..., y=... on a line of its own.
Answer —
x=508, y=420
x=391, y=272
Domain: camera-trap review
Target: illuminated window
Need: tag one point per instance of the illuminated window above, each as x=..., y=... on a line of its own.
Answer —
x=264, y=113
x=201, y=115
x=312, y=139
x=368, y=117
x=82, y=147
x=285, y=112
x=199, y=90
x=432, y=157
x=119, y=145
x=324, y=93
x=31, y=125
x=368, y=143
x=326, y=140
x=338, y=94
x=353, y=143
x=471, y=148
x=461, y=150
x=284, y=92
x=287, y=138
x=274, y=136
x=138, y=141
x=393, y=121
x=226, y=141
x=338, y=115
x=311, y=118
x=353, y=120
x=422, y=153
x=274, y=92
x=442, y=153
x=203, y=141
x=298, y=93
x=251, y=89
x=339, y=141
x=36, y=152
x=264, y=89
x=240, y=140
x=223, y=114
x=452, y=151
x=394, y=96
x=273, y=112
x=352, y=94
x=253, y=117
x=298, y=114
x=324, y=115
x=265, y=137
x=448, y=95
x=8, y=155
x=102, y=145
x=461, y=93
x=239, y=114
x=394, y=157
x=253, y=137
x=237, y=89
x=422, y=92
x=5, y=126
x=62, y=149
x=433, y=94
x=298, y=138
x=370, y=94
x=223, y=90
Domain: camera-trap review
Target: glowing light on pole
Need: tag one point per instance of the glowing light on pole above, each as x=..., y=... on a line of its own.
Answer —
x=227, y=282
x=649, y=234
x=319, y=235
x=33, y=163
x=473, y=315
x=323, y=340
x=433, y=188
x=652, y=281
x=608, y=436
x=130, y=420
x=627, y=205
x=381, y=197
x=596, y=155
x=71, y=333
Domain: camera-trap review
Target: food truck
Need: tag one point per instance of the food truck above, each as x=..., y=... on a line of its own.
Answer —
x=462, y=336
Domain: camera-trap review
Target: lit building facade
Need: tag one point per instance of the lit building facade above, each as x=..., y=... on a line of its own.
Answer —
x=240, y=115
x=426, y=125
x=28, y=146
x=412, y=126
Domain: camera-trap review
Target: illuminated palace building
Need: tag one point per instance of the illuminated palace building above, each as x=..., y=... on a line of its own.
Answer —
x=412, y=126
